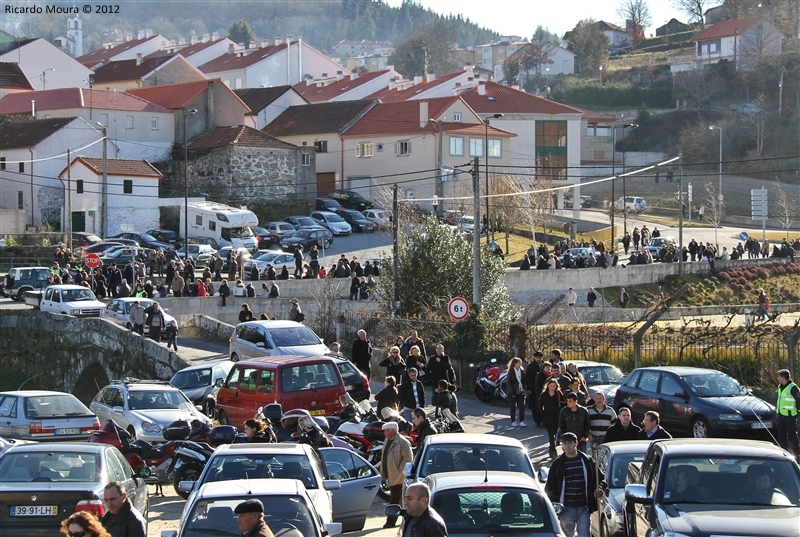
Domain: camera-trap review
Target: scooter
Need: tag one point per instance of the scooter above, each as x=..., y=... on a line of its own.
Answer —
x=490, y=381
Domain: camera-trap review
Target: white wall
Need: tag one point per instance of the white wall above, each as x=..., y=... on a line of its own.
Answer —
x=209, y=53
x=38, y=56
x=277, y=107
x=364, y=90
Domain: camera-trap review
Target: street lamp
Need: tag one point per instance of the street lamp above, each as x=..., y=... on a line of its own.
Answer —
x=44, y=81
x=547, y=79
x=719, y=192
x=624, y=191
x=601, y=75
x=486, y=142
x=187, y=113
x=435, y=204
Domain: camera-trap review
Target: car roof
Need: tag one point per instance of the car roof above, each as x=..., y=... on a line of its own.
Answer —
x=29, y=268
x=326, y=213
x=491, y=479
x=68, y=286
x=682, y=370
x=587, y=363
x=56, y=447
x=628, y=446
x=261, y=487
x=147, y=386
x=244, y=449
x=722, y=447
x=274, y=324
x=33, y=393
x=285, y=359
x=473, y=438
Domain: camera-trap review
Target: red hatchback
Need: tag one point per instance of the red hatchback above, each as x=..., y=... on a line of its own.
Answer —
x=312, y=383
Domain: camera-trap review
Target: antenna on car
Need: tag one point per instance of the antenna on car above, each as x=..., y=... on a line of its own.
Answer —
x=29, y=378
x=765, y=426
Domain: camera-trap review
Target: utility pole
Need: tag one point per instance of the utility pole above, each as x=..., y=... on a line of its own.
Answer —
x=680, y=201
x=69, y=202
x=476, y=237
x=439, y=183
x=395, y=245
x=104, y=209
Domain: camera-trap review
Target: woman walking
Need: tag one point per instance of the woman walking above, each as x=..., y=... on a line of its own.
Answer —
x=515, y=388
x=550, y=402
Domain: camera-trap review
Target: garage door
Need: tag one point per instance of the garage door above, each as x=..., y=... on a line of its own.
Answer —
x=362, y=185
x=325, y=183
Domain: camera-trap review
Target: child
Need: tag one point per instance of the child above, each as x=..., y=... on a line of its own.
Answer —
x=172, y=335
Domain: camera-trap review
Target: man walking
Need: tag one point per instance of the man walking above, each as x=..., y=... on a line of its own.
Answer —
x=571, y=482
x=652, y=430
x=601, y=417
x=531, y=372
x=574, y=419
x=421, y=519
x=121, y=519
x=788, y=400
x=411, y=394
x=362, y=353
x=623, y=429
x=396, y=453
x=155, y=320
x=138, y=317
x=591, y=297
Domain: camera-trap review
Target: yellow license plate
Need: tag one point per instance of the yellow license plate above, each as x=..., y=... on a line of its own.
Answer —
x=318, y=412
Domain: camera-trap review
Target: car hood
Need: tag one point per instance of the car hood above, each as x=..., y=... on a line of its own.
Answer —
x=164, y=417
x=716, y=519
x=744, y=404
x=304, y=350
x=609, y=390
x=84, y=304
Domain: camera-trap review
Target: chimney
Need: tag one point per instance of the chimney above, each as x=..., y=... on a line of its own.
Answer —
x=59, y=45
x=392, y=84
x=423, y=113
x=128, y=36
x=264, y=42
x=182, y=41
x=148, y=32
x=214, y=36
x=353, y=74
x=138, y=58
x=278, y=40
x=430, y=77
x=339, y=75
x=140, y=34
x=231, y=48
x=481, y=88
x=309, y=80
x=253, y=44
x=417, y=79
x=289, y=38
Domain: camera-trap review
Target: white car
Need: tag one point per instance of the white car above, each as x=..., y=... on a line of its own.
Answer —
x=276, y=259
x=289, y=511
x=145, y=408
x=380, y=217
x=255, y=339
x=200, y=253
x=631, y=203
x=119, y=311
x=72, y=300
x=332, y=222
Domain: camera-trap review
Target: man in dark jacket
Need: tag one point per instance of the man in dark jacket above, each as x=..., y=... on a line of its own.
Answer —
x=439, y=367
x=411, y=394
x=250, y=516
x=421, y=519
x=156, y=322
x=122, y=519
x=574, y=419
x=571, y=482
x=652, y=430
x=362, y=353
x=420, y=420
x=623, y=429
x=114, y=279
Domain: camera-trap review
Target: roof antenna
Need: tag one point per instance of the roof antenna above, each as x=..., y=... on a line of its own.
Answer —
x=486, y=469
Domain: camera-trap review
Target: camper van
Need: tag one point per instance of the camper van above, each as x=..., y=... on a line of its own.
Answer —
x=229, y=226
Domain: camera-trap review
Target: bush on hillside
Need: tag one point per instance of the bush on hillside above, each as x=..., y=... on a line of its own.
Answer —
x=592, y=93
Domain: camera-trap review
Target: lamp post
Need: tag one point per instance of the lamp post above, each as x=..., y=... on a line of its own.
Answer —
x=719, y=192
x=187, y=113
x=435, y=204
x=486, y=145
x=624, y=191
x=547, y=79
x=439, y=190
x=44, y=81
x=601, y=75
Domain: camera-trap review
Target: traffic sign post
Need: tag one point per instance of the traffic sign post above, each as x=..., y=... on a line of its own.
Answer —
x=759, y=206
x=458, y=308
x=92, y=261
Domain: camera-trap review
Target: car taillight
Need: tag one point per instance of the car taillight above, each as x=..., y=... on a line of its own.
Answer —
x=95, y=426
x=365, y=383
x=93, y=506
x=36, y=427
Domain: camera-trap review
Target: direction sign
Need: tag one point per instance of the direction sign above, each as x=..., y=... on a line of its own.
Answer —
x=458, y=308
x=759, y=204
x=92, y=261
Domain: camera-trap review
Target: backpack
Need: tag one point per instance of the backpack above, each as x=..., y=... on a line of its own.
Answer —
x=766, y=303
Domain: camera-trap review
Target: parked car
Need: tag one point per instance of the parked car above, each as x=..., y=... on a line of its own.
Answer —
x=327, y=204
x=44, y=416
x=332, y=222
x=747, y=108
x=654, y=247
x=199, y=253
x=695, y=488
x=278, y=260
x=467, y=224
x=42, y=484
x=255, y=339
x=200, y=383
x=357, y=221
x=631, y=203
x=321, y=238
x=355, y=381
x=25, y=279
x=164, y=235
x=276, y=231
x=211, y=241
x=98, y=247
x=227, y=251
x=381, y=217
x=289, y=509
x=145, y=240
x=312, y=383
x=119, y=311
x=81, y=238
x=144, y=408
x=694, y=401
x=350, y=199
x=600, y=377
x=300, y=222
x=74, y=300
x=612, y=462
x=585, y=201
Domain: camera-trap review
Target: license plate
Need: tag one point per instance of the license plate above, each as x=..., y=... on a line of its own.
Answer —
x=319, y=412
x=34, y=510
x=760, y=425
x=68, y=431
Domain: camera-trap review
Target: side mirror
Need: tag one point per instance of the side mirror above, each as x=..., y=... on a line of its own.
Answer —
x=637, y=494
x=332, y=484
x=408, y=470
x=186, y=486
x=144, y=472
x=543, y=473
x=219, y=383
x=260, y=344
x=333, y=528
x=393, y=510
x=169, y=533
x=198, y=407
x=117, y=410
x=558, y=508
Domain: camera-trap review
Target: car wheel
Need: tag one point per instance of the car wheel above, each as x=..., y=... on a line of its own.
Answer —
x=132, y=432
x=701, y=428
x=128, y=326
x=209, y=409
x=223, y=418
x=234, y=357
x=187, y=472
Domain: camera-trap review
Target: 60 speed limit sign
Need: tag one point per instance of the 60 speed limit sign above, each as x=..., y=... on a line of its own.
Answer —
x=458, y=308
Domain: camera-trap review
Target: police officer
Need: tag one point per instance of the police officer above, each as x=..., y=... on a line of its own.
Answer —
x=788, y=402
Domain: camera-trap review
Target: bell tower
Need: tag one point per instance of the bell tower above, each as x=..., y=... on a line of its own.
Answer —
x=75, y=33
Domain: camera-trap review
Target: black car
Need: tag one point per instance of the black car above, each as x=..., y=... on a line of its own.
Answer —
x=321, y=238
x=164, y=235
x=145, y=240
x=300, y=222
x=327, y=204
x=350, y=199
x=695, y=402
x=42, y=484
x=199, y=383
x=359, y=222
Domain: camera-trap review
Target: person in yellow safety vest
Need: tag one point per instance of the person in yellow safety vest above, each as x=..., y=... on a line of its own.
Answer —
x=786, y=409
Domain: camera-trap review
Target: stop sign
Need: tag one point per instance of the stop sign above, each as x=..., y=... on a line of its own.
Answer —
x=92, y=261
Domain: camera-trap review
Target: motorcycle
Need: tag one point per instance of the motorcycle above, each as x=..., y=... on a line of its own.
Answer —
x=352, y=412
x=352, y=431
x=490, y=381
x=285, y=429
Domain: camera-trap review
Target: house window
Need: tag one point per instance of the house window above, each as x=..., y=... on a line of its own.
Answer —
x=153, y=123
x=237, y=83
x=456, y=146
x=127, y=186
x=551, y=149
x=104, y=120
x=365, y=150
x=321, y=146
x=128, y=122
x=495, y=148
x=306, y=161
x=21, y=167
x=79, y=186
x=402, y=148
x=603, y=131
x=20, y=200
x=476, y=147
x=212, y=226
x=379, y=148
x=2, y=163
x=457, y=117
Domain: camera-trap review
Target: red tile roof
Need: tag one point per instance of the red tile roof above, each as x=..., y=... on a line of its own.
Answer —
x=506, y=100
x=24, y=134
x=257, y=99
x=399, y=118
x=119, y=166
x=122, y=70
x=228, y=62
x=103, y=55
x=188, y=50
x=474, y=128
x=726, y=29
x=239, y=135
x=317, y=118
x=12, y=77
x=387, y=95
x=173, y=96
x=63, y=98
x=315, y=94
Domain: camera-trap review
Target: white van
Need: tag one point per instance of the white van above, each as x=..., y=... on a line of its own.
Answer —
x=229, y=226
x=631, y=203
x=71, y=300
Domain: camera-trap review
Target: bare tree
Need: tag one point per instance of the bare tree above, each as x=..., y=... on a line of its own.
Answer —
x=757, y=44
x=714, y=209
x=506, y=210
x=787, y=208
x=538, y=205
x=695, y=9
x=699, y=85
x=638, y=12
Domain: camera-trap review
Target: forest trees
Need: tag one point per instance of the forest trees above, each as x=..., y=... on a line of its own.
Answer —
x=426, y=50
x=589, y=44
x=240, y=32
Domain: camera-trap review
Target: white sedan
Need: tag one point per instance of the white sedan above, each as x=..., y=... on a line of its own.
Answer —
x=119, y=311
x=276, y=259
x=380, y=217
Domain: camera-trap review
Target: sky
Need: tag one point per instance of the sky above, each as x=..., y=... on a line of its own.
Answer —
x=520, y=17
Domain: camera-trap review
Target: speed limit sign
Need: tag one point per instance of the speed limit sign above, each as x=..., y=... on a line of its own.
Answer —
x=458, y=308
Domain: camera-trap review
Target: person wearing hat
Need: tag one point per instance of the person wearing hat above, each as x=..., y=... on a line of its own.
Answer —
x=572, y=483
x=296, y=314
x=786, y=408
x=396, y=453
x=250, y=516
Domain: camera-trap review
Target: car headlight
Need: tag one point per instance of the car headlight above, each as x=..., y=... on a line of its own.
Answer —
x=150, y=427
x=74, y=312
x=730, y=417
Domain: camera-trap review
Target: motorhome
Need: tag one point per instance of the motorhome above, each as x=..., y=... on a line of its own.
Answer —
x=229, y=226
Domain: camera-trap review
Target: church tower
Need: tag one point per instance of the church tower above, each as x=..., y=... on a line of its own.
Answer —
x=75, y=35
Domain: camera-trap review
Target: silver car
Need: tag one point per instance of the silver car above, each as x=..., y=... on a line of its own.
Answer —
x=145, y=408
x=612, y=462
x=332, y=222
x=119, y=311
x=254, y=339
x=45, y=416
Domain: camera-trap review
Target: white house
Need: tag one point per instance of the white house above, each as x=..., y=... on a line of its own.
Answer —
x=428, y=87
x=346, y=87
x=131, y=193
x=47, y=66
x=200, y=52
x=126, y=50
x=33, y=154
x=617, y=37
x=266, y=104
x=560, y=61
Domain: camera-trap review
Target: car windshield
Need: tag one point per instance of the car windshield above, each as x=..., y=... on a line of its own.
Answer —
x=492, y=509
x=596, y=375
x=267, y=257
x=47, y=466
x=459, y=457
x=355, y=215
x=309, y=377
x=158, y=400
x=618, y=474
x=76, y=295
x=287, y=516
x=54, y=406
x=714, y=385
x=293, y=336
x=147, y=238
x=333, y=218
x=194, y=378
x=305, y=222
x=240, y=232
x=741, y=481
x=262, y=466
